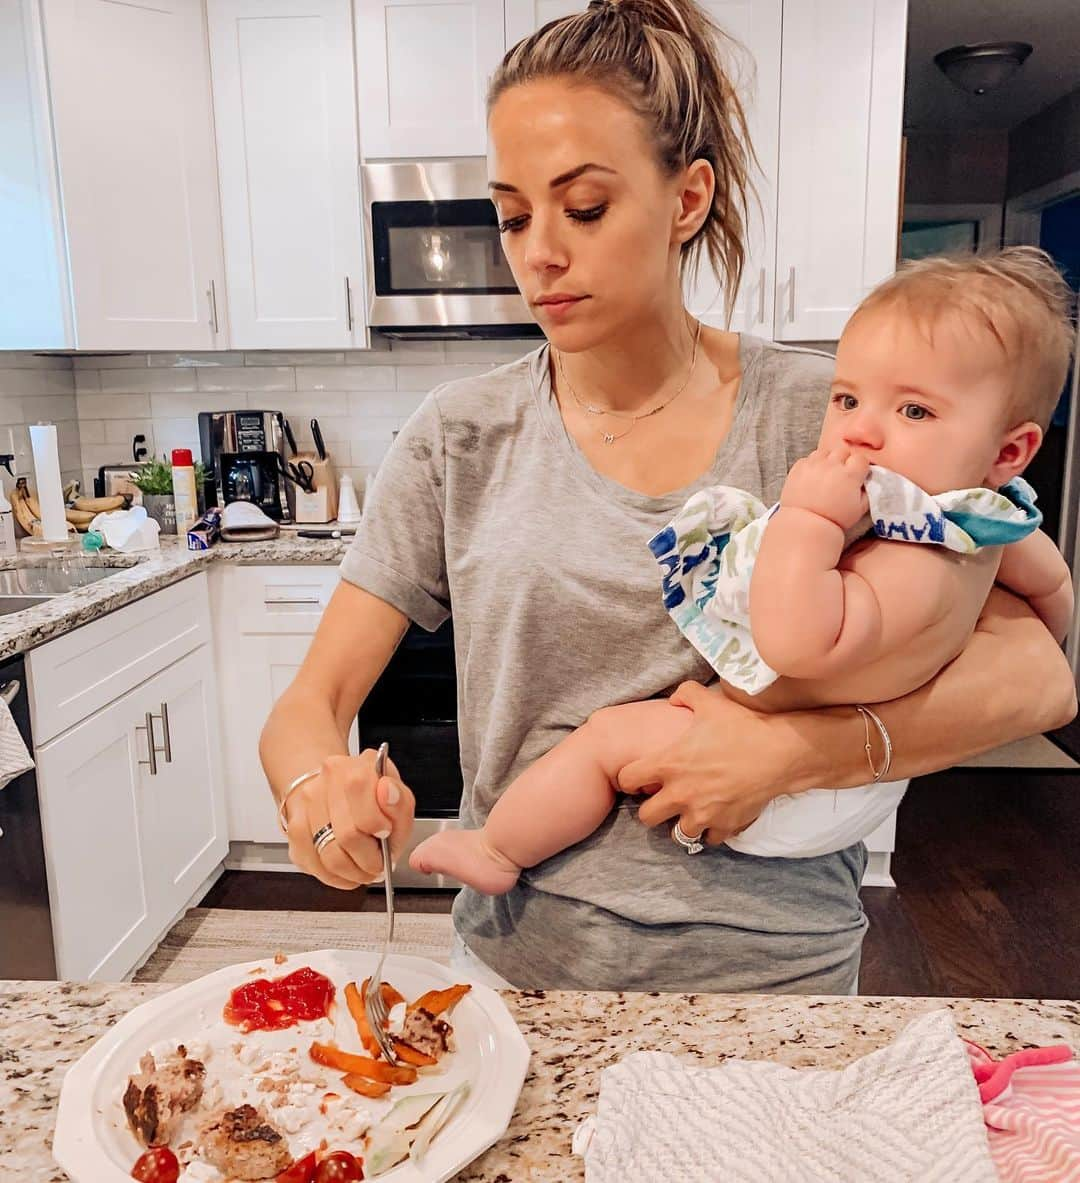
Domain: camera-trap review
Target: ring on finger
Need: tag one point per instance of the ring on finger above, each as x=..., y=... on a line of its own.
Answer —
x=691, y=844
x=323, y=837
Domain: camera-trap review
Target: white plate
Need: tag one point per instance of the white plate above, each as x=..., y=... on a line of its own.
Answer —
x=94, y=1143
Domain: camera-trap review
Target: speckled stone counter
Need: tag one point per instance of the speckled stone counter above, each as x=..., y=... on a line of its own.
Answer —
x=140, y=575
x=45, y=1027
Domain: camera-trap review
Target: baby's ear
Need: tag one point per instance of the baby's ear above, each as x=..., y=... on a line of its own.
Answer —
x=1017, y=450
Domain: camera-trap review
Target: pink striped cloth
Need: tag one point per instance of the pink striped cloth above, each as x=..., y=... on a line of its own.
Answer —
x=1031, y=1107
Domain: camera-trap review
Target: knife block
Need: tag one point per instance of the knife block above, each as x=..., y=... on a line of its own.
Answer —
x=322, y=505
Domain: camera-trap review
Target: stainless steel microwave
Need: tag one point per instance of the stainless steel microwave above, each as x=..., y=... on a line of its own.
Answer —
x=435, y=263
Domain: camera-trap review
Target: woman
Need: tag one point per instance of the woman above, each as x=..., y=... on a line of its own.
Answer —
x=526, y=497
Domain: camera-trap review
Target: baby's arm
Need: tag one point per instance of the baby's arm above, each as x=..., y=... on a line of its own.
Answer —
x=809, y=618
x=1034, y=569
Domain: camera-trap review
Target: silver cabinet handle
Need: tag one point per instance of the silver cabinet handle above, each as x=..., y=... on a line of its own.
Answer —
x=212, y=293
x=151, y=751
x=791, y=295
x=761, y=298
x=294, y=600
x=348, y=303
x=165, y=727
x=10, y=691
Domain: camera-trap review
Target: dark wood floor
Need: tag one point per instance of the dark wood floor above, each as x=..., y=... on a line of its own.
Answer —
x=987, y=901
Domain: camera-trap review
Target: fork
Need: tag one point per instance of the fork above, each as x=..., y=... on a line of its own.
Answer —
x=375, y=1007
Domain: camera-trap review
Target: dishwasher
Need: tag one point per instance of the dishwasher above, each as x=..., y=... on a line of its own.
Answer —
x=26, y=940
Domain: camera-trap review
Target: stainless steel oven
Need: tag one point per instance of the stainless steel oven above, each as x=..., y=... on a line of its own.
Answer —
x=413, y=707
x=435, y=262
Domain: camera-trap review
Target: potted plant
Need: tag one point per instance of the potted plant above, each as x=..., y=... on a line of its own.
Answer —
x=154, y=480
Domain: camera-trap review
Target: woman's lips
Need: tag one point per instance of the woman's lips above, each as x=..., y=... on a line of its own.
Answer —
x=557, y=306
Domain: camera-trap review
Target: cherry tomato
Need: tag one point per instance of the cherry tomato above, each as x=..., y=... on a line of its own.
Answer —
x=339, y=1167
x=302, y=1171
x=158, y=1165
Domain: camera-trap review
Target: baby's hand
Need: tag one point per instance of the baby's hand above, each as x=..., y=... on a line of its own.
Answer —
x=829, y=482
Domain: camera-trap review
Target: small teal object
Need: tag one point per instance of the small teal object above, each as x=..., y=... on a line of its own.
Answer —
x=92, y=540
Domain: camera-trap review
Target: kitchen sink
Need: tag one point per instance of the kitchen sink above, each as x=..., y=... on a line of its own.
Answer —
x=33, y=584
x=9, y=604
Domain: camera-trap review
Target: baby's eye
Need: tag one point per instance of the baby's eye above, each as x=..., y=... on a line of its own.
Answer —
x=914, y=411
x=846, y=402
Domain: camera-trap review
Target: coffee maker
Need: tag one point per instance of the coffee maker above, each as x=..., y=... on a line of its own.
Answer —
x=244, y=454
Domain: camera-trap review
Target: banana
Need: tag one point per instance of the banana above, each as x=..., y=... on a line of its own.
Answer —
x=29, y=523
x=99, y=504
x=80, y=518
x=33, y=506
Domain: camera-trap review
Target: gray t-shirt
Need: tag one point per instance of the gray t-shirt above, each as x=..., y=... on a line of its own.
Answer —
x=486, y=507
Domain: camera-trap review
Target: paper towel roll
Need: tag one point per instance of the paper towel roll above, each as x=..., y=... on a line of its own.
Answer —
x=50, y=489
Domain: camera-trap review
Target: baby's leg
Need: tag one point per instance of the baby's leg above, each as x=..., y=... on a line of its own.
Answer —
x=556, y=802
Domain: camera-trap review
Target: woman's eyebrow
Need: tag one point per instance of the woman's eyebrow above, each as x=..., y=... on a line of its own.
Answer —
x=561, y=179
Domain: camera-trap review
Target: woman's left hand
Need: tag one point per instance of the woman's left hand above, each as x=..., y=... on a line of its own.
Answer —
x=718, y=777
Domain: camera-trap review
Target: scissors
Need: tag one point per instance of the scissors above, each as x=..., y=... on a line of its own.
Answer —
x=300, y=473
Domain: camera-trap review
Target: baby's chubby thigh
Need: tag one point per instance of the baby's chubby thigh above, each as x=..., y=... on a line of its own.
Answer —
x=618, y=735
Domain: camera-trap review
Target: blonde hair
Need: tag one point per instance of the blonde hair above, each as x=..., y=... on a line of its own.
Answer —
x=1016, y=295
x=661, y=58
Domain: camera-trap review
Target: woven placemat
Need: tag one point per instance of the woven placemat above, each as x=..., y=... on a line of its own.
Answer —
x=206, y=939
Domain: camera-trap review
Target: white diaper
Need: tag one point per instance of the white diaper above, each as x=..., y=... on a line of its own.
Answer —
x=804, y=825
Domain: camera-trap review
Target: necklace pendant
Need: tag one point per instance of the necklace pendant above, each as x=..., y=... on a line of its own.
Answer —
x=608, y=438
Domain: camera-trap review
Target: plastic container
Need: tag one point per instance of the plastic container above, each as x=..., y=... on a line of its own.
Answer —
x=7, y=526
x=185, y=497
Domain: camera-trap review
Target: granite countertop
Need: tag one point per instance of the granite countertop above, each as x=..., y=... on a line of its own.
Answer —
x=140, y=575
x=47, y=1026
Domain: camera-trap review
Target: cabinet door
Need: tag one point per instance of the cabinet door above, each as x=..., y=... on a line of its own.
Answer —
x=423, y=68
x=841, y=108
x=756, y=26
x=263, y=666
x=93, y=795
x=130, y=88
x=35, y=302
x=288, y=158
x=526, y=16
x=185, y=828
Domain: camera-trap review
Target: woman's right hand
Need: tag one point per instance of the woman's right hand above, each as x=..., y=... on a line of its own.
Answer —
x=360, y=807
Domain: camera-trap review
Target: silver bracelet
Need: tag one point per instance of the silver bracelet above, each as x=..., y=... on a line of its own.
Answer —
x=867, y=715
x=302, y=779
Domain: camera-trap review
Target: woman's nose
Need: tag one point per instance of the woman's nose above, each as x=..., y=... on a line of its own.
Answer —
x=544, y=249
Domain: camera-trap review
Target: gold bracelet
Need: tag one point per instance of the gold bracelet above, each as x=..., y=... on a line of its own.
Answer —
x=303, y=778
x=867, y=715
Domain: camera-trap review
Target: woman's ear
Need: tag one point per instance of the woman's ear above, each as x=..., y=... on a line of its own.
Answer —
x=695, y=199
x=1015, y=454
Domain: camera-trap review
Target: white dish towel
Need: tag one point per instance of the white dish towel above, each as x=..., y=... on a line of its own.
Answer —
x=909, y=1111
x=14, y=758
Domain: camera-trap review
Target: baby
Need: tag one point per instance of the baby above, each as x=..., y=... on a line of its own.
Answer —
x=946, y=376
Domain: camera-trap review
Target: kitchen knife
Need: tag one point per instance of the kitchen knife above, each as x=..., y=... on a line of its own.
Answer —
x=316, y=435
x=290, y=437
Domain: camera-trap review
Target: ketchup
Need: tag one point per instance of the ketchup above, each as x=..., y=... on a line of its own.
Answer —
x=264, y=1005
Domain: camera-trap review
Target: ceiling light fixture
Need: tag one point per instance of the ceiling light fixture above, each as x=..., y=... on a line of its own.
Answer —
x=979, y=68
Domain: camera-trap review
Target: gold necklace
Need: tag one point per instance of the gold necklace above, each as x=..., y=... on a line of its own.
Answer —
x=610, y=437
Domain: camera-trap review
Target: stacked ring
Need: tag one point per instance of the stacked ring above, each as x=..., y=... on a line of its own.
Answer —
x=323, y=837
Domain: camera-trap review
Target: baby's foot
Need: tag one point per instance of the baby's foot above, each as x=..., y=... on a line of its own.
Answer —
x=466, y=855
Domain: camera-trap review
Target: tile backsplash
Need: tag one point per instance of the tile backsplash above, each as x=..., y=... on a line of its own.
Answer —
x=35, y=389
x=359, y=397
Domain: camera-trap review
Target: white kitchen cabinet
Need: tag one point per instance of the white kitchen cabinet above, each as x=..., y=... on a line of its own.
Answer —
x=756, y=26
x=841, y=108
x=128, y=843
x=423, y=68
x=526, y=16
x=130, y=90
x=288, y=160
x=264, y=619
x=35, y=300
